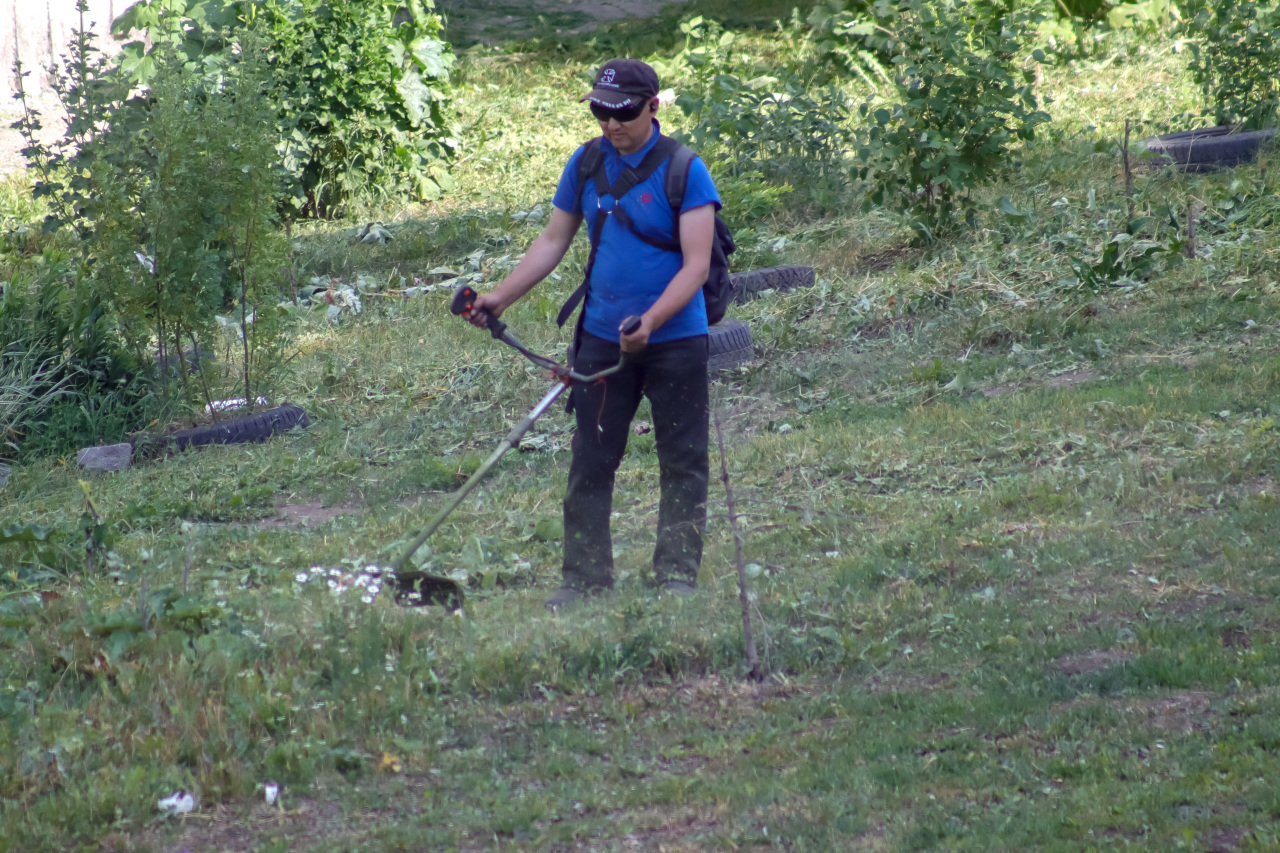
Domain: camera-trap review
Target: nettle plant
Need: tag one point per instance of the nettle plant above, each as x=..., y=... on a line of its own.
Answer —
x=362, y=87
x=959, y=102
x=1235, y=58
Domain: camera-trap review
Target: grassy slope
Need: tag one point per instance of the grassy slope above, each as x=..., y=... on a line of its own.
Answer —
x=1017, y=549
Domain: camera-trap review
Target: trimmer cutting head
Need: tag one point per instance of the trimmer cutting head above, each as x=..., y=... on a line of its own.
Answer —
x=419, y=589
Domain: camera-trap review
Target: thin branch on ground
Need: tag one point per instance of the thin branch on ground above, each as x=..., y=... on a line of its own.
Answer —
x=754, y=672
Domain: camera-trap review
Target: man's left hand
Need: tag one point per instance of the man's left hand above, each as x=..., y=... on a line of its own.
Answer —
x=639, y=339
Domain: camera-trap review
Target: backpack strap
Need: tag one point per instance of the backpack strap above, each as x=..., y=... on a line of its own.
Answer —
x=677, y=183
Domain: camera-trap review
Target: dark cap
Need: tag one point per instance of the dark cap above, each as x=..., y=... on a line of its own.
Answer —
x=621, y=83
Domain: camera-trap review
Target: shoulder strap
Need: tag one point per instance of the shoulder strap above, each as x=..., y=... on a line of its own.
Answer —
x=592, y=159
x=658, y=154
x=678, y=177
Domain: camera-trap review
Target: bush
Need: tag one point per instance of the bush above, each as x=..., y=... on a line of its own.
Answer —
x=173, y=193
x=65, y=379
x=362, y=87
x=779, y=124
x=959, y=103
x=1235, y=50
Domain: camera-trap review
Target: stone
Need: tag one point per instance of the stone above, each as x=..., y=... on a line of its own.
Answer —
x=112, y=457
x=5, y=471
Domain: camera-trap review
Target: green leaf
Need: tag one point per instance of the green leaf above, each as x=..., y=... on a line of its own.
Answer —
x=549, y=529
x=431, y=56
x=25, y=533
x=1007, y=208
x=415, y=94
x=137, y=62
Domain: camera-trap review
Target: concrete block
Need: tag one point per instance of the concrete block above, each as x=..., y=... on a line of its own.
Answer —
x=113, y=457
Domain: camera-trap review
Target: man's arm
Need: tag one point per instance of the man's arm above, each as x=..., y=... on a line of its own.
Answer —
x=697, y=231
x=543, y=257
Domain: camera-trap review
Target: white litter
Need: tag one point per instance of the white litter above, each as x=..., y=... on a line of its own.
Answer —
x=231, y=405
x=269, y=792
x=180, y=802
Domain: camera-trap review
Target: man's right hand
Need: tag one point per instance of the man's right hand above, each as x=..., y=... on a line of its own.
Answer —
x=486, y=304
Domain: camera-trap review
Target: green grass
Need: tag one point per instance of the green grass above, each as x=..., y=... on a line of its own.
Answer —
x=1017, y=549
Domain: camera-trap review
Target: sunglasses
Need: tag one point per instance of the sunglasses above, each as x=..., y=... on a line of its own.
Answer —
x=625, y=114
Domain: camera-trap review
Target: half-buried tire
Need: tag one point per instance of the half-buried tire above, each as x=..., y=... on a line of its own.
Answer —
x=728, y=345
x=256, y=427
x=748, y=285
x=1209, y=148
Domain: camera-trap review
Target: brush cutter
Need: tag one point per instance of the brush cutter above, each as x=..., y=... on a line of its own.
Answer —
x=418, y=589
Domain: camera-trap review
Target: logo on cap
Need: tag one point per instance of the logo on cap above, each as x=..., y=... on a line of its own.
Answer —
x=606, y=79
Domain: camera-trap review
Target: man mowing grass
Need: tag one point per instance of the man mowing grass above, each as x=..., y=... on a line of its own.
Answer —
x=646, y=260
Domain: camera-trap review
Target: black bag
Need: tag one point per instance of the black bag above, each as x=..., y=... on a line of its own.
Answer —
x=716, y=291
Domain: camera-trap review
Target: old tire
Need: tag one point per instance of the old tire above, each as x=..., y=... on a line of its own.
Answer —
x=728, y=345
x=747, y=285
x=256, y=427
x=1209, y=148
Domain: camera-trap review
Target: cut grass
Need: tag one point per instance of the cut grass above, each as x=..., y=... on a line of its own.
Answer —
x=1016, y=544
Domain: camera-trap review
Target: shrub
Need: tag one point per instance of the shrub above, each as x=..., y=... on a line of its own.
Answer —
x=780, y=124
x=362, y=87
x=959, y=103
x=1235, y=50
x=173, y=193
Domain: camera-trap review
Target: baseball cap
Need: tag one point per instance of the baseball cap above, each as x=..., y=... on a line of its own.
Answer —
x=621, y=83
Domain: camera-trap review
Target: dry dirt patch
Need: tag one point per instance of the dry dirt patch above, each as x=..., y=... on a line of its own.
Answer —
x=308, y=514
x=1094, y=660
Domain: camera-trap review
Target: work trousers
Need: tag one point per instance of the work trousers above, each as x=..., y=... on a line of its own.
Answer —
x=673, y=375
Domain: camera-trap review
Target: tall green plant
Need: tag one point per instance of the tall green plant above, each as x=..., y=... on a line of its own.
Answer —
x=174, y=193
x=960, y=102
x=1235, y=58
x=780, y=124
x=362, y=87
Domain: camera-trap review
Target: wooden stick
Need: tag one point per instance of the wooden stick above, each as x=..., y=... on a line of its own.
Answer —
x=755, y=672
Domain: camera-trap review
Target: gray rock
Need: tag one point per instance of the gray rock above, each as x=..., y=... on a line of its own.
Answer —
x=113, y=457
x=5, y=471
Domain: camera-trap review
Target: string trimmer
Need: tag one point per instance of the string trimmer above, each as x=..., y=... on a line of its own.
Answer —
x=418, y=589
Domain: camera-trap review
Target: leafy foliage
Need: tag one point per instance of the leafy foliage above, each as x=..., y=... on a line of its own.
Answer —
x=778, y=123
x=1235, y=50
x=173, y=195
x=361, y=87
x=959, y=103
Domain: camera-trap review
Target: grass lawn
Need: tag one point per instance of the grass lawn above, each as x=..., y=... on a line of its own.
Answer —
x=1013, y=545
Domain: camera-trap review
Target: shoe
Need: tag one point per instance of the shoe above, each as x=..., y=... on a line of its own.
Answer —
x=564, y=595
x=676, y=589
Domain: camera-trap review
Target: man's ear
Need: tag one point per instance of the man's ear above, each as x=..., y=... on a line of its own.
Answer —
x=653, y=105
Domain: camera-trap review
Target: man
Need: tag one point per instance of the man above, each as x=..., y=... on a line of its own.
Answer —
x=666, y=355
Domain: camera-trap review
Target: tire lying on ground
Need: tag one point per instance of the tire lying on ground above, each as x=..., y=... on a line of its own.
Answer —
x=1209, y=148
x=728, y=345
x=747, y=285
x=256, y=427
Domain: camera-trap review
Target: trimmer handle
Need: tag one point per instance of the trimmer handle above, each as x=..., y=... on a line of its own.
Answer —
x=464, y=300
x=629, y=325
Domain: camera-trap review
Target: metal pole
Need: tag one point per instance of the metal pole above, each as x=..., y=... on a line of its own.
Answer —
x=512, y=439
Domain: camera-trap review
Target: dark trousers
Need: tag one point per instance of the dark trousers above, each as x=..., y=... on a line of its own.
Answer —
x=673, y=375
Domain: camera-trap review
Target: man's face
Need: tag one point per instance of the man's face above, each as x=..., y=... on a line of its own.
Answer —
x=627, y=129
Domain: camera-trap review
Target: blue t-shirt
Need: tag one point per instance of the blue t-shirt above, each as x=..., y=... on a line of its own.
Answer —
x=629, y=275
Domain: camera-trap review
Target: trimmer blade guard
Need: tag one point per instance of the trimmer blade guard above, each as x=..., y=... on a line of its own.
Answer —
x=419, y=589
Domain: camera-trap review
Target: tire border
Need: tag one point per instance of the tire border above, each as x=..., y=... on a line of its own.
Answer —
x=258, y=426
x=1207, y=149
x=728, y=345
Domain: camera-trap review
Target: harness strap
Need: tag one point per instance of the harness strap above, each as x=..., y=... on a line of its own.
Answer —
x=662, y=150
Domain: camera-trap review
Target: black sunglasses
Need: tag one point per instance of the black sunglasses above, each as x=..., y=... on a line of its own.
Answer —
x=625, y=114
